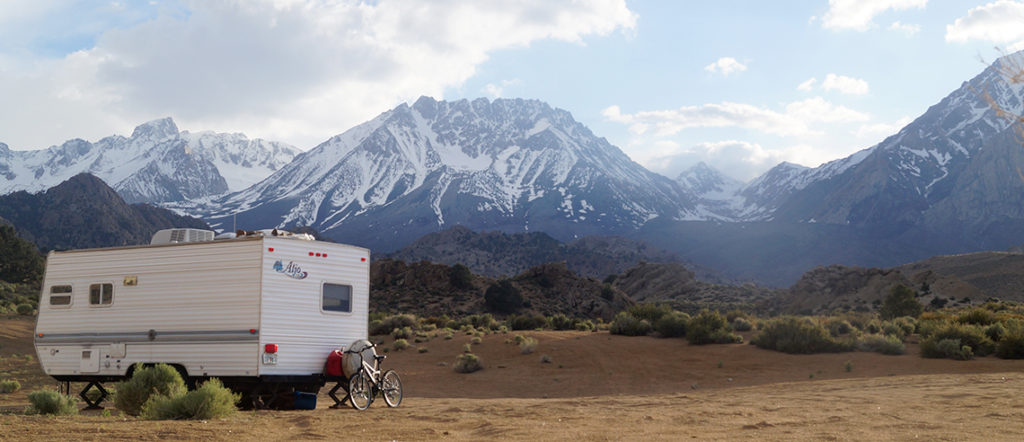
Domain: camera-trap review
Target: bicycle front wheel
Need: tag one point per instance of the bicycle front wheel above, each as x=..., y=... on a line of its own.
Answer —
x=360, y=391
x=391, y=388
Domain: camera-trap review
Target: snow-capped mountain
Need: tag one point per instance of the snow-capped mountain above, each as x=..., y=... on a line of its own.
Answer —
x=910, y=176
x=511, y=165
x=717, y=194
x=157, y=163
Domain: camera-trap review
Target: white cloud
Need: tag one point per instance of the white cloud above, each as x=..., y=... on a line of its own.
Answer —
x=796, y=119
x=297, y=71
x=808, y=85
x=496, y=90
x=909, y=29
x=725, y=66
x=1000, y=22
x=844, y=84
x=858, y=15
x=876, y=132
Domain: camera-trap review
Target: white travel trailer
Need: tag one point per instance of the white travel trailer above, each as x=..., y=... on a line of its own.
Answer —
x=261, y=311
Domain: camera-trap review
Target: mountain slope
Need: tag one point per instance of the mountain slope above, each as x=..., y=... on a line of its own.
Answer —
x=157, y=163
x=509, y=165
x=84, y=212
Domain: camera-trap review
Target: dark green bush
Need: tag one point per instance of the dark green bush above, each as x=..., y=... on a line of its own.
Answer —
x=9, y=386
x=628, y=325
x=585, y=325
x=900, y=302
x=977, y=316
x=467, y=363
x=561, y=322
x=710, y=327
x=503, y=297
x=160, y=379
x=884, y=344
x=212, y=400
x=972, y=336
x=742, y=324
x=672, y=325
x=1011, y=342
x=51, y=402
x=527, y=322
x=838, y=326
x=649, y=312
x=995, y=331
x=798, y=336
x=388, y=324
x=946, y=349
x=402, y=333
x=460, y=277
x=25, y=309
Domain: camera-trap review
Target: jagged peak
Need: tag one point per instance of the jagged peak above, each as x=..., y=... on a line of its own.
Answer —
x=159, y=128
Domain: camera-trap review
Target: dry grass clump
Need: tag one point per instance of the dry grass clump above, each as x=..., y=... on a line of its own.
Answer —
x=52, y=402
x=467, y=363
x=160, y=379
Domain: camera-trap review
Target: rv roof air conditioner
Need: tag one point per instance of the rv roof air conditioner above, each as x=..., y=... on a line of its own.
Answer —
x=174, y=236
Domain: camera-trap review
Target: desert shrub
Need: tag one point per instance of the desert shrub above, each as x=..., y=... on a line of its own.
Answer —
x=51, y=402
x=468, y=348
x=400, y=344
x=649, y=312
x=422, y=350
x=467, y=363
x=428, y=327
x=402, y=333
x=798, y=336
x=628, y=325
x=25, y=309
x=908, y=324
x=995, y=331
x=545, y=359
x=585, y=325
x=928, y=327
x=977, y=316
x=1011, y=342
x=838, y=326
x=710, y=327
x=388, y=324
x=503, y=297
x=972, y=336
x=527, y=322
x=672, y=325
x=900, y=302
x=211, y=400
x=731, y=315
x=561, y=322
x=946, y=349
x=873, y=326
x=890, y=328
x=160, y=379
x=742, y=324
x=476, y=340
x=9, y=386
x=884, y=344
x=485, y=321
x=527, y=345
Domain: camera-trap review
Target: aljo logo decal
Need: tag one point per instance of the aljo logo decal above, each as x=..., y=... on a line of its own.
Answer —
x=292, y=269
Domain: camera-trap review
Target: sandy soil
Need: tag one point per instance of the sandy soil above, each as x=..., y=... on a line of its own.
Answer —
x=603, y=387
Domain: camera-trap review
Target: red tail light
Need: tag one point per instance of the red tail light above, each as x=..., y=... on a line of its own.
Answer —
x=270, y=348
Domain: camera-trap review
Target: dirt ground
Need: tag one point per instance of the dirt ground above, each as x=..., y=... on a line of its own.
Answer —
x=601, y=387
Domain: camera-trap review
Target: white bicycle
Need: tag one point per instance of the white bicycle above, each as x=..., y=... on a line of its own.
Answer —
x=366, y=383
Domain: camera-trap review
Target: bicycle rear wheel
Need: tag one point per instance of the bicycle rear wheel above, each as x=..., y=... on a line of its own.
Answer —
x=360, y=391
x=391, y=388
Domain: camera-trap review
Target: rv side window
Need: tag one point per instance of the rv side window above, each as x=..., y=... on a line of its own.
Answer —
x=101, y=294
x=58, y=298
x=337, y=298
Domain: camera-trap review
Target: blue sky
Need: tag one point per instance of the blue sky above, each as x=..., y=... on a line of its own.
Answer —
x=740, y=85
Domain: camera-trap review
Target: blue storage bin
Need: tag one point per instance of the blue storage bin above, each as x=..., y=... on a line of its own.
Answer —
x=305, y=401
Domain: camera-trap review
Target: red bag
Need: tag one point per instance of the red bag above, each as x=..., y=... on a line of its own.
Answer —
x=334, y=363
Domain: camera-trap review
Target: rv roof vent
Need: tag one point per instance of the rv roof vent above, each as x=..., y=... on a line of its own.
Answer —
x=172, y=236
